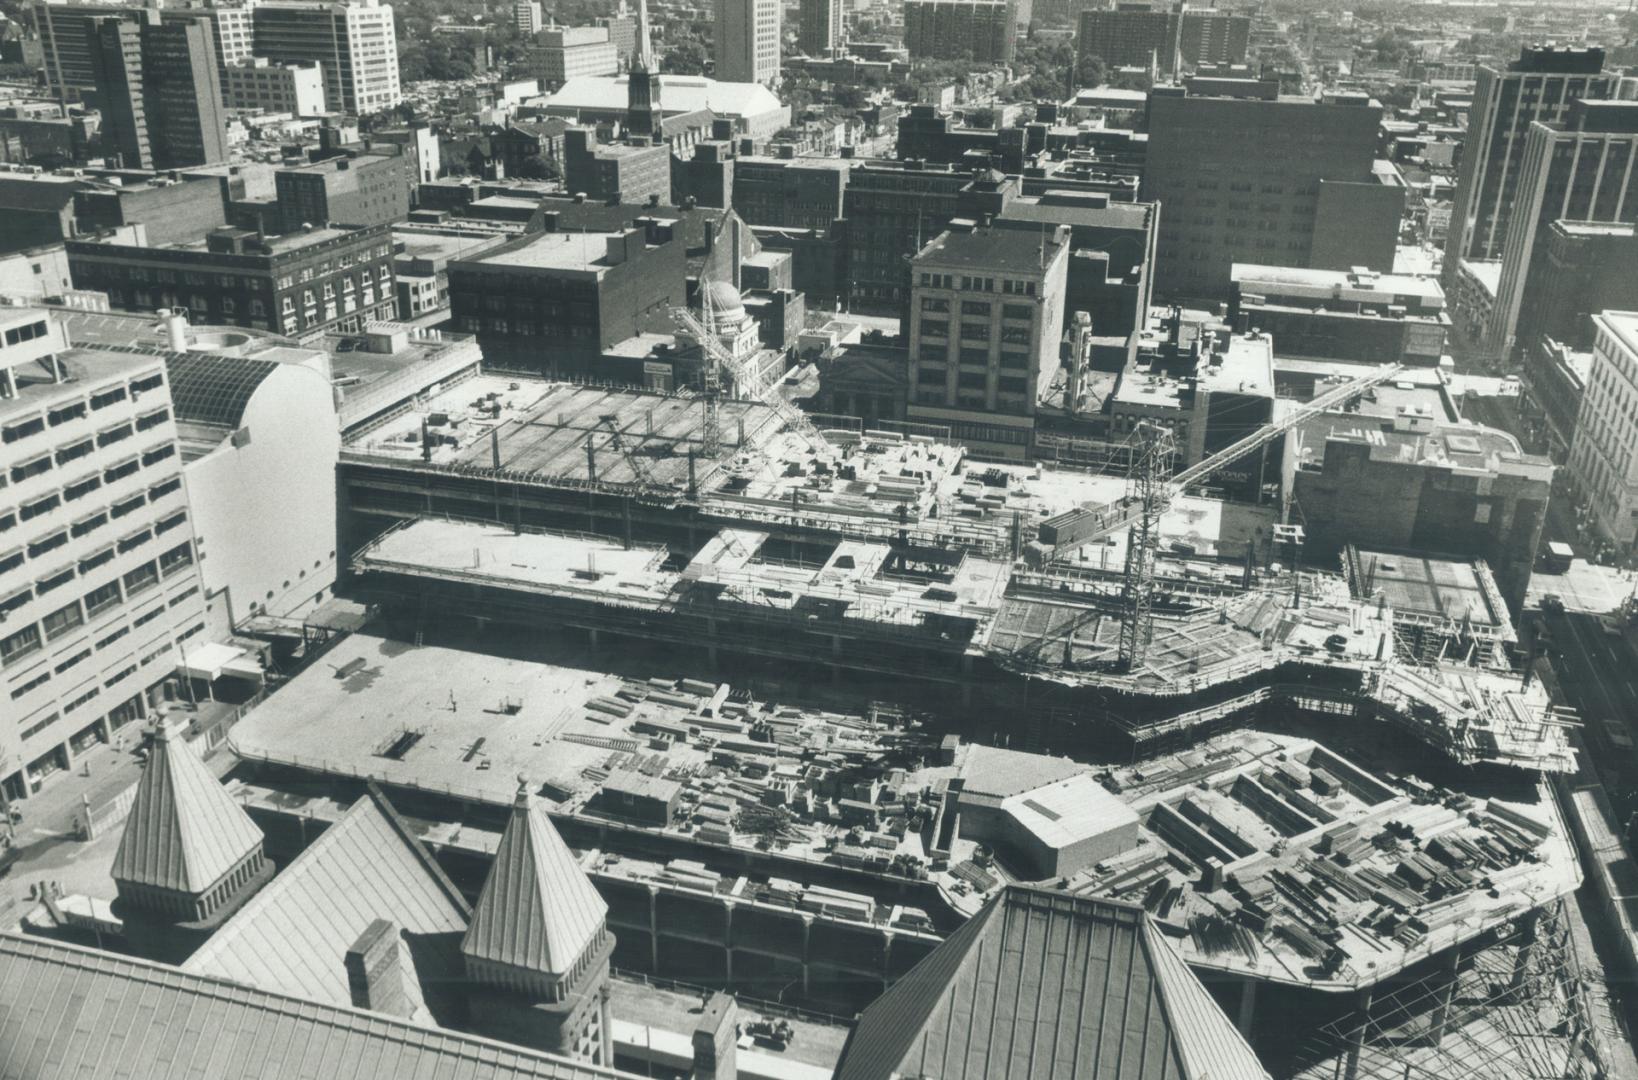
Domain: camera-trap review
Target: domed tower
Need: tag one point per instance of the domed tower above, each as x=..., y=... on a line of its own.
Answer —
x=722, y=312
x=538, y=946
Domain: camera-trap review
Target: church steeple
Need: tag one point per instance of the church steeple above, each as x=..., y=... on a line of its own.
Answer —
x=643, y=115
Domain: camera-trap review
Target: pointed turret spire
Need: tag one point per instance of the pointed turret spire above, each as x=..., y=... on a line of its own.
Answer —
x=538, y=917
x=185, y=839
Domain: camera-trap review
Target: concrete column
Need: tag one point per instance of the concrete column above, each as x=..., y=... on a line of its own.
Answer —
x=105, y=730
x=1441, y=1012
x=728, y=943
x=591, y=636
x=606, y=1026
x=1528, y=932
x=807, y=935
x=1248, y=1004
x=654, y=929
x=887, y=960
x=1356, y=1038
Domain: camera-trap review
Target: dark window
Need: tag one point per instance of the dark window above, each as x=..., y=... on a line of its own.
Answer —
x=175, y=559
x=143, y=577
x=57, y=580
x=158, y=454
x=18, y=645
x=22, y=429
x=63, y=620
x=114, y=434
x=48, y=543
x=102, y=598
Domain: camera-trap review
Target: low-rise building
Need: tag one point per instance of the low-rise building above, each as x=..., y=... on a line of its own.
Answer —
x=562, y=53
x=1418, y=482
x=558, y=299
x=421, y=265
x=1603, y=464
x=303, y=284
x=987, y=312
x=1356, y=315
x=627, y=172
x=263, y=86
x=372, y=187
x=1553, y=381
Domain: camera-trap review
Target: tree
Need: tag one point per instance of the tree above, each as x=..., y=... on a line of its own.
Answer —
x=536, y=168
x=1091, y=71
x=686, y=57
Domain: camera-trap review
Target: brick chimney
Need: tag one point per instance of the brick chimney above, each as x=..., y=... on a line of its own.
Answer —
x=375, y=970
x=716, y=1038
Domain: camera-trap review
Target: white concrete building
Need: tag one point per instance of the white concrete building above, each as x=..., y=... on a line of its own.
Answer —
x=747, y=40
x=260, y=439
x=562, y=53
x=99, y=585
x=260, y=84
x=356, y=43
x=1604, y=453
x=526, y=16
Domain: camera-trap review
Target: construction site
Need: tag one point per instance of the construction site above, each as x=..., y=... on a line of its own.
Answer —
x=1118, y=610
x=805, y=694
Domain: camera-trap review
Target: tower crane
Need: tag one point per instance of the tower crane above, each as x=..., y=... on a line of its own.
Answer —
x=747, y=381
x=1150, y=493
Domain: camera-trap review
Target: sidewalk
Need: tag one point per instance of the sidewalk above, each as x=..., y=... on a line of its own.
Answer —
x=46, y=838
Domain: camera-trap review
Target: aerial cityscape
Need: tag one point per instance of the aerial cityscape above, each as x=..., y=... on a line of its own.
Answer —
x=885, y=540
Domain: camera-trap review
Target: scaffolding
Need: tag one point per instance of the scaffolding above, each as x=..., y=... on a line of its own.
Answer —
x=1517, y=1009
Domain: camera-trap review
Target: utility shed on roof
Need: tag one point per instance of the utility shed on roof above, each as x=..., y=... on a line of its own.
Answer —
x=1067, y=826
x=1040, y=983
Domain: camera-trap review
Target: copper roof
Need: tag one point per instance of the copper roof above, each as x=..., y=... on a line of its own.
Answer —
x=538, y=910
x=68, y=1012
x=1042, y=983
x=185, y=831
x=293, y=935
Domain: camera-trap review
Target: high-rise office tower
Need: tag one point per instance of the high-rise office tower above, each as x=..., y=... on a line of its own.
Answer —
x=981, y=31
x=747, y=40
x=160, y=93
x=356, y=42
x=230, y=29
x=1584, y=169
x=820, y=33
x=1165, y=36
x=1277, y=180
x=1539, y=86
x=67, y=35
x=526, y=16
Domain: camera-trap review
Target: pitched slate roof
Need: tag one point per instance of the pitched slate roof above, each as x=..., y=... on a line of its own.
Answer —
x=185, y=831
x=1042, y=983
x=68, y=1012
x=538, y=910
x=293, y=935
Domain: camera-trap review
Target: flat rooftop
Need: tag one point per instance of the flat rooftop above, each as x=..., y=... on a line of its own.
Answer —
x=1277, y=282
x=85, y=368
x=996, y=249
x=1624, y=326
x=1435, y=588
x=587, y=251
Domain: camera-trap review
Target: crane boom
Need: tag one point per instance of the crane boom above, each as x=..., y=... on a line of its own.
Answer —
x=747, y=381
x=1071, y=524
